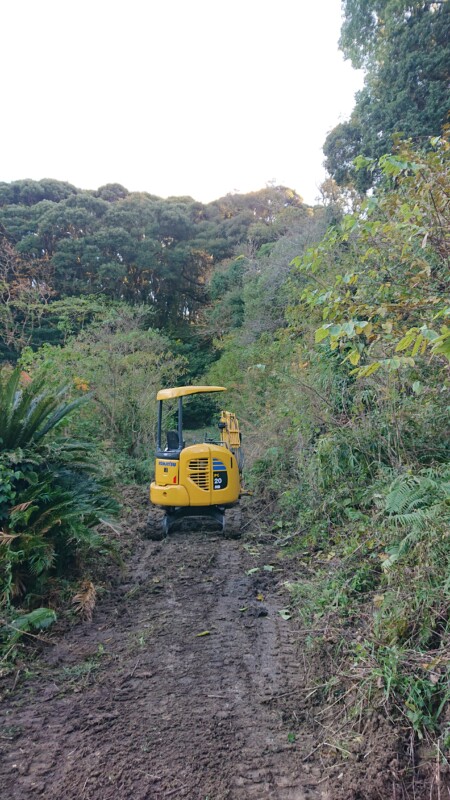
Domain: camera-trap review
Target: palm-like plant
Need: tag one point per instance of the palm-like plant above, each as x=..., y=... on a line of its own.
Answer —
x=51, y=495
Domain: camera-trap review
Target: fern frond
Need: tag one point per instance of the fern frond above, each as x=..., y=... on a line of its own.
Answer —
x=420, y=518
x=60, y=413
x=419, y=505
x=36, y=620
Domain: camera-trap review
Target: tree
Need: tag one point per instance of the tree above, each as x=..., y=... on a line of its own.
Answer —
x=342, y=145
x=369, y=24
x=28, y=192
x=385, y=303
x=405, y=49
x=25, y=291
x=112, y=192
x=123, y=361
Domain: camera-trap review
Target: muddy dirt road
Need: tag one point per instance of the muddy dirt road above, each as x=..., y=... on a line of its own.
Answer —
x=180, y=687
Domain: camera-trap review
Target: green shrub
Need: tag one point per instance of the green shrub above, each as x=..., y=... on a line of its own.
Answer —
x=51, y=495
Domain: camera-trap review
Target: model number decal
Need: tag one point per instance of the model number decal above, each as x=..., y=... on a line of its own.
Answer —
x=220, y=476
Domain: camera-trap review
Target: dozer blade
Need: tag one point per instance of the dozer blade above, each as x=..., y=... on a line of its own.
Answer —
x=192, y=518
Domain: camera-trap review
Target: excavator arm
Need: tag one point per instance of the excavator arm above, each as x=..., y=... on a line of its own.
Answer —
x=231, y=437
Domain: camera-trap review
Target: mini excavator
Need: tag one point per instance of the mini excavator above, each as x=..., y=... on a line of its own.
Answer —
x=199, y=480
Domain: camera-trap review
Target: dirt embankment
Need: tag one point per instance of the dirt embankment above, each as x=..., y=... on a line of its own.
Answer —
x=188, y=683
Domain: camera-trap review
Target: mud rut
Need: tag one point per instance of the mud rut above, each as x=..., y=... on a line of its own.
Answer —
x=137, y=706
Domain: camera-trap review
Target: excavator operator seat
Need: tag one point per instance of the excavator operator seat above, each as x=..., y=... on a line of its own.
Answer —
x=173, y=440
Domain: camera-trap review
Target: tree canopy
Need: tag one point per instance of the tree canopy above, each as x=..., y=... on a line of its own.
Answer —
x=135, y=246
x=405, y=49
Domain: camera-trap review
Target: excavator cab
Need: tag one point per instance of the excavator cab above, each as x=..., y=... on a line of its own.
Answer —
x=196, y=480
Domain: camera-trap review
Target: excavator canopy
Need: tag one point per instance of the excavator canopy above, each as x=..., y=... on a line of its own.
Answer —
x=183, y=391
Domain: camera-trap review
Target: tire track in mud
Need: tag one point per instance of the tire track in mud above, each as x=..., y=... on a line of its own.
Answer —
x=139, y=706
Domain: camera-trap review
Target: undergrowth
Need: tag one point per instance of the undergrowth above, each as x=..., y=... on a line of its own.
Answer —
x=349, y=446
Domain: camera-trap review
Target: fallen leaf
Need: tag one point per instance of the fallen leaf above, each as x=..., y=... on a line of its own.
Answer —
x=378, y=600
x=84, y=601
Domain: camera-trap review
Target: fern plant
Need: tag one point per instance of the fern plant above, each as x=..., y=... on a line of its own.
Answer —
x=414, y=607
x=51, y=494
x=418, y=504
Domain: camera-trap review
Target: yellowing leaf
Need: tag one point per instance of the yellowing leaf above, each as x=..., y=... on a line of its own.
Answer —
x=321, y=334
x=260, y=597
x=364, y=372
x=417, y=344
x=204, y=633
x=406, y=341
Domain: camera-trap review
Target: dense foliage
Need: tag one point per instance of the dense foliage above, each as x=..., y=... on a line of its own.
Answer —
x=102, y=293
x=52, y=496
x=58, y=241
x=349, y=416
x=121, y=362
x=404, y=48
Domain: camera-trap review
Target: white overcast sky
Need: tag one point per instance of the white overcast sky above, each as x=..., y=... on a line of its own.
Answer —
x=172, y=97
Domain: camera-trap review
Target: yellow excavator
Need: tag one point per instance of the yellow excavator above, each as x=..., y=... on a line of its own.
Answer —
x=199, y=480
